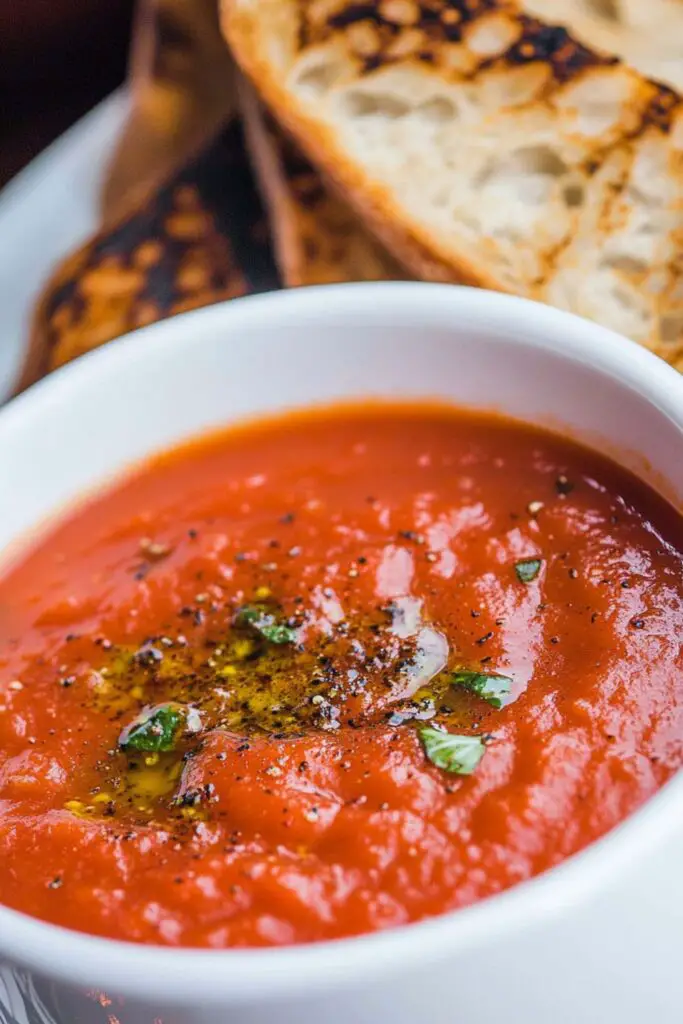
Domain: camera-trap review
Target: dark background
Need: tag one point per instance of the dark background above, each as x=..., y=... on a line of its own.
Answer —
x=58, y=58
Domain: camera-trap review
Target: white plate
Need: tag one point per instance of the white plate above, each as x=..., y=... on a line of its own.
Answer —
x=44, y=212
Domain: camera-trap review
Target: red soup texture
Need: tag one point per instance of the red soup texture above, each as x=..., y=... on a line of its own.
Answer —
x=332, y=673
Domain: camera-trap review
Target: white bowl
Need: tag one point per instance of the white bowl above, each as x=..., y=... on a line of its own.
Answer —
x=597, y=939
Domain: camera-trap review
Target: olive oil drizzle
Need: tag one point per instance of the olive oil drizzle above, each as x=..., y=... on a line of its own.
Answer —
x=264, y=670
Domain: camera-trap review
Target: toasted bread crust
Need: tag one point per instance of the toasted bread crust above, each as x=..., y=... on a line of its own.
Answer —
x=317, y=237
x=405, y=34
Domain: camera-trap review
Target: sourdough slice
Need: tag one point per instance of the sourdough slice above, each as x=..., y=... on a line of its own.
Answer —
x=319, y=240
x=316, y=236
x=486, y=146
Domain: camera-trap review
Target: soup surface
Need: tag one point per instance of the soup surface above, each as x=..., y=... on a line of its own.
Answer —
x=333, y=673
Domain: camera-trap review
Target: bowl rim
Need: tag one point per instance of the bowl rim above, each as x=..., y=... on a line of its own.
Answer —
x=236, y=977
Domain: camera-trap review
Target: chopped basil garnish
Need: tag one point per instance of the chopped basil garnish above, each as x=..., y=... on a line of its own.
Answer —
x=265, y=624
x=154, y=730
x=528, y=569
x=487, y=685
x=457, y=754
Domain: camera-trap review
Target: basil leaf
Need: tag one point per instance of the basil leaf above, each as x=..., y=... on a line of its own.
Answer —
x=156, y=729
x=266, y=625
x=487, y=685
x=276, y=633
x=527, y=569
x=457, y=754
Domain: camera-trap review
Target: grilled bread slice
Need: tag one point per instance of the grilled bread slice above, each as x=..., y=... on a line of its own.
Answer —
x=201, y=238
x=483, y=145
x=317, y=238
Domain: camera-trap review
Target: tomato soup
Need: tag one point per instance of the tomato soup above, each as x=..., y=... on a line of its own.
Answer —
x=333, y=673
